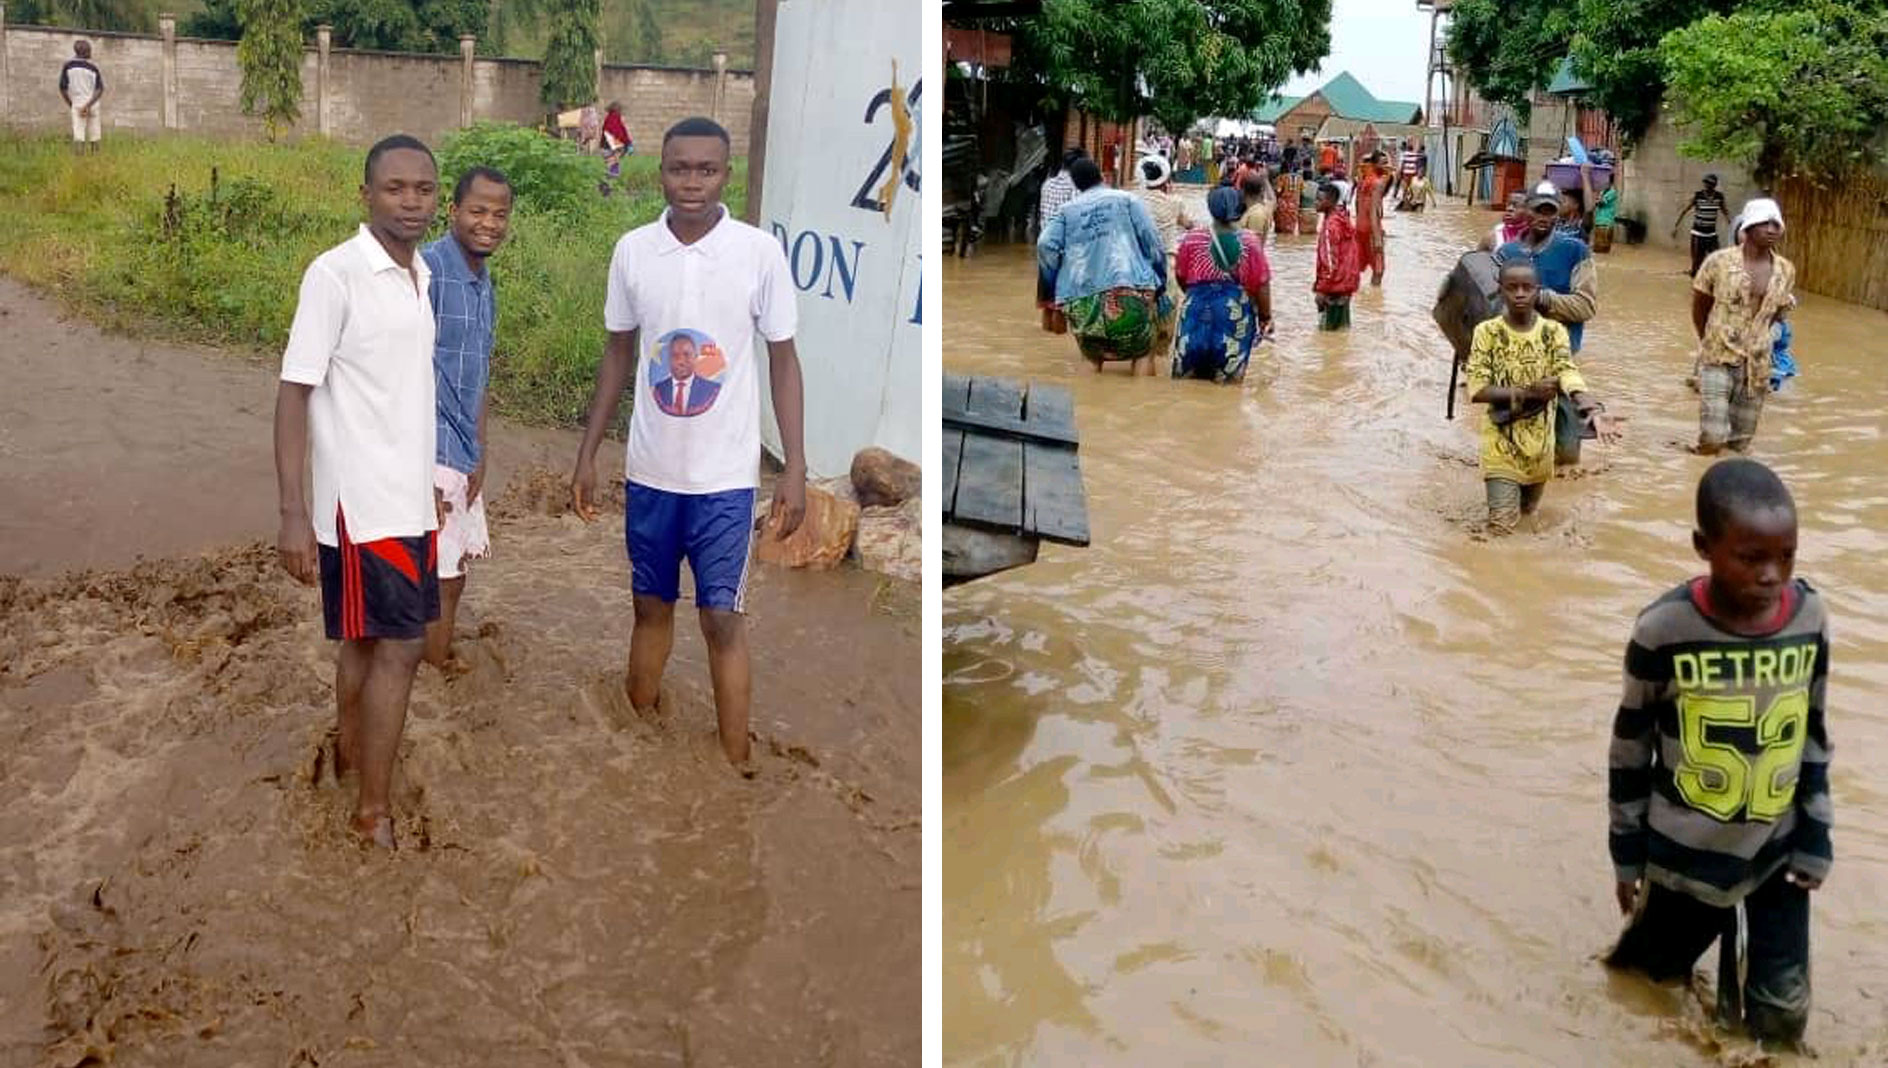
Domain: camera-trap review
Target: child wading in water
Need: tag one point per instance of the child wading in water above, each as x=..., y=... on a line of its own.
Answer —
x=1519, y=365
x=1338, y=272
x=1719, y=780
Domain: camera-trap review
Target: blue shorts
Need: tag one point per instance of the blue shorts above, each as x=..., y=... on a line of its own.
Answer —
x=713, y=531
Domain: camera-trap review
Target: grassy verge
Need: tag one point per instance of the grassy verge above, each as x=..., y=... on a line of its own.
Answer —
x=222, y=266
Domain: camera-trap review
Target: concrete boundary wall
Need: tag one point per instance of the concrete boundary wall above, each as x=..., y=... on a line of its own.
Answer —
x=165, y=82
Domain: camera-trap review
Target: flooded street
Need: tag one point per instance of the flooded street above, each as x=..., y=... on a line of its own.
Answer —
x=1290, y=768
x=577, y=885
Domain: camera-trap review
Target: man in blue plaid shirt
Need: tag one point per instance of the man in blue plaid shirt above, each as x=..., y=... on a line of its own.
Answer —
x=465, y=310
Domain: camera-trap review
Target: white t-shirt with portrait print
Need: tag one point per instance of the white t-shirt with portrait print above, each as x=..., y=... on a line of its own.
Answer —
x=703, y=437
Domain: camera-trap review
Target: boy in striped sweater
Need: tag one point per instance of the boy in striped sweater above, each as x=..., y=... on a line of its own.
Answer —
x=1719, y=784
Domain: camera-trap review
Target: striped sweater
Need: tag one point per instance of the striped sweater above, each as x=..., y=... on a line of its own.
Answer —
x=1719, y=761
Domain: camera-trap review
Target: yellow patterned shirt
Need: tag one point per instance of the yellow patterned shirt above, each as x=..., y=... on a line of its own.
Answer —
x=1738, y=328
x=1500, y=355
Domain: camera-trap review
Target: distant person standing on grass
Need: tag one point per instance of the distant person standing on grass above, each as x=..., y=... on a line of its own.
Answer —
x=465, y=314
x=357, y=380
x=82, y=86
x=688, y=292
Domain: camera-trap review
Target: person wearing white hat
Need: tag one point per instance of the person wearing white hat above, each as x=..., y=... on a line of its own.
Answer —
x=1170, y=219
x=1738, y=295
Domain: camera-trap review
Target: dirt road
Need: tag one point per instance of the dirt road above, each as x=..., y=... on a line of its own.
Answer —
x=579, y=887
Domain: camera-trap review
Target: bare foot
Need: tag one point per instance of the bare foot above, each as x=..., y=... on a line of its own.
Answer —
x=374, y=830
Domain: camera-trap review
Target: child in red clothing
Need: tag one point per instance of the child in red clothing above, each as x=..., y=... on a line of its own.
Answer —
x=1337, y=260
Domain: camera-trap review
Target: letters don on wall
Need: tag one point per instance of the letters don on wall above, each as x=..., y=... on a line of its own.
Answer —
x=840, y=193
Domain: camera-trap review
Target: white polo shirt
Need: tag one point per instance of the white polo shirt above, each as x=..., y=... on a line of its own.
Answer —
x=363, y=337
x=716, y=292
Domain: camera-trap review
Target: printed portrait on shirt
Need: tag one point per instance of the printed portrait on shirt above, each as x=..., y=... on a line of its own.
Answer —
x=685, y=375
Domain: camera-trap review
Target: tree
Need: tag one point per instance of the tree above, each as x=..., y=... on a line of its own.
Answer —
x=1174, y=59
x=384, y=25
x=1617, y=53
x=570, y=73
x=270, y=54
x=125, y=16
x=1506, y=49
x=1792, y=92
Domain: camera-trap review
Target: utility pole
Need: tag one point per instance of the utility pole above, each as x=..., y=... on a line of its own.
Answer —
x=765, y=12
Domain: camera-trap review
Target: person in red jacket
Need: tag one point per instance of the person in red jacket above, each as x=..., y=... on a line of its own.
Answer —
x=616, y=141
x=1337, y=259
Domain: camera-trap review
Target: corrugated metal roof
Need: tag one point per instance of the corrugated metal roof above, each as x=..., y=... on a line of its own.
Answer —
x=1348, y=99
x=1565, y=81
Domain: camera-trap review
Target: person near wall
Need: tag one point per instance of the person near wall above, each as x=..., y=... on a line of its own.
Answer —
x=1738, y=296
x=1706, y=206
x=82, y=87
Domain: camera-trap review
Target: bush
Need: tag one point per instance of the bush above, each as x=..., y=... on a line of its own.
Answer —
x=547, y=174
x=207, y=241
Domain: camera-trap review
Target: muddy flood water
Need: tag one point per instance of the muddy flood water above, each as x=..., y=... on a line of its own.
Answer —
x=577, y=886
x=1289, y=768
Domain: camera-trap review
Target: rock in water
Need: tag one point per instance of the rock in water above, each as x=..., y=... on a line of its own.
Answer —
x=822, y=541
x=883, y=479
x=891, y=541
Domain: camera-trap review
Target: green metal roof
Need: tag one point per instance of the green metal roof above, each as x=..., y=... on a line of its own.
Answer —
x=1565, y=81
x=1348, y=99
x=1277, y=106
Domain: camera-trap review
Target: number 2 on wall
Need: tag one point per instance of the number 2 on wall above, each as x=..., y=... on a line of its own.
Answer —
x=1717, y=777
x=866, y=198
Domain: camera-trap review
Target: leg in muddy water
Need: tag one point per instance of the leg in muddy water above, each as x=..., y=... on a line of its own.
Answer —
x=726, y=635
x=383, y=719
x=439, y=631
x=350, y=678
x=649, y=645
x=1776, y=993
x=1668, y=936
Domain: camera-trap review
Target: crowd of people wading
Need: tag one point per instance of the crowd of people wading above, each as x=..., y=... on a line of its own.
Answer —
x=1696, y=849
x=1135, y=277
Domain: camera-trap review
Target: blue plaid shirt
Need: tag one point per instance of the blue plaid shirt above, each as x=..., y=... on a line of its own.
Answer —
x=466, y=311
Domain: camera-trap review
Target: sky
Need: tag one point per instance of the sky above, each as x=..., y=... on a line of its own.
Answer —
x=1383, y=43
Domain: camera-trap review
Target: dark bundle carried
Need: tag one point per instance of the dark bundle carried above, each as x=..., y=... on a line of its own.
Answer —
x=1470, y=296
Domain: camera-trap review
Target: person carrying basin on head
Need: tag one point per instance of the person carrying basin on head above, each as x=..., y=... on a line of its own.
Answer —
x=1228, y=287
x=1102, y=258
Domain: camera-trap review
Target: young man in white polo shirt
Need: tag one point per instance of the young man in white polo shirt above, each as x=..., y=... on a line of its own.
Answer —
x=686, y=295
x=358, y=373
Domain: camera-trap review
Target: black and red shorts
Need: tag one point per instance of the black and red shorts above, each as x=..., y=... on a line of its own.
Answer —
x=379, y=589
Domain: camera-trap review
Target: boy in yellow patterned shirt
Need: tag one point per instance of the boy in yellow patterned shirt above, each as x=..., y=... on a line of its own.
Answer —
x=1518, y=365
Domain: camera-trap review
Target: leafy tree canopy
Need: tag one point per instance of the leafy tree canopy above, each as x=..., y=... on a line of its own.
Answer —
x=125, y=16
x=1176, y=60
x=570, y=73
x=1787, y=92
x=270, y=55
x=383, y=25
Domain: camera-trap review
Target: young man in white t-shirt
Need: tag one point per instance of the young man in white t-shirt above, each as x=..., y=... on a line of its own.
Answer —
x=358, y=373
x=686, y=295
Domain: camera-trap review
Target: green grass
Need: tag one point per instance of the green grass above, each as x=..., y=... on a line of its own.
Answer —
x=223, y=269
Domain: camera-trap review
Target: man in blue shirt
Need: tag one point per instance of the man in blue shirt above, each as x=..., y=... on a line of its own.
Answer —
x=1569, y=286
x=465, y=309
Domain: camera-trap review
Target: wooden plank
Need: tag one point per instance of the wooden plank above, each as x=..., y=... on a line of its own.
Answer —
x=956, y=392
x=1055, y=506
x=1020, y=429
x=971, y=554
x=1049, y=412
x=953, y=456
x=1000, y=397
x=990, y=484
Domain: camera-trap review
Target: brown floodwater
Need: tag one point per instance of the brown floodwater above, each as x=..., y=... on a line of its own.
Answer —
x=577, y=886
x=1290, y=767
